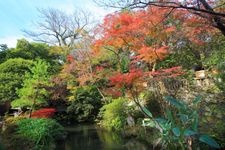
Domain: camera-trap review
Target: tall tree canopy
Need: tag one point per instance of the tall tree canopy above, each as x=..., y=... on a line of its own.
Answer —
x=12, y=74
x=212, y=11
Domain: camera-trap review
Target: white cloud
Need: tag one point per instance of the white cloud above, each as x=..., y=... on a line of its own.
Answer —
x=11, y=40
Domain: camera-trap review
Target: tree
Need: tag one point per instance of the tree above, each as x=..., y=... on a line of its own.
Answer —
x=3, y=47
x=138, y=33
x=59, y=28
x=12, y=74
x=33, y=92
x=212, y=11
x=3, y=52
x=139, y=40
x=86, y=103
x=31, y=50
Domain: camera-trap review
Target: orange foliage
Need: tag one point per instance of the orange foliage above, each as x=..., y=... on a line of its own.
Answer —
x=126, y=79
x=128, y=31
x=150, y=54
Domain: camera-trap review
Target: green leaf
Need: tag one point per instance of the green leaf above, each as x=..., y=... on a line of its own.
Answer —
x=174, y=102
x=197, y=99
x=163, y=123
x=176, y=131
x=195, y=123
x=147, y=112
x=161, y=120
x=148, y=122
x=208, y=140
x=183, y=118
x=170, y=116
x=188, y=132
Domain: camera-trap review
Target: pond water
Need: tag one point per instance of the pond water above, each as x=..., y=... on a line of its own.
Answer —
x=90, y=137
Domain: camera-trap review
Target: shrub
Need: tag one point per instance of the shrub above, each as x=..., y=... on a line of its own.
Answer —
x=221, y=76
x=113, y=115
x=85, y=105
x=31, y=133
x=43, y=113
x=41, y=131
x=179, y=128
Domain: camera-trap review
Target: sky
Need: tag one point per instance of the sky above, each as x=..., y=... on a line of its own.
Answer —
x=17, y=15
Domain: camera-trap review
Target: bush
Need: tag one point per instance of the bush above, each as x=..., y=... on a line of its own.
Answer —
x=43, y=113
x=221, y=76
x=32, y=133
x=179, y=128
x=113, y=115
x=85, y=105
x=41, y=131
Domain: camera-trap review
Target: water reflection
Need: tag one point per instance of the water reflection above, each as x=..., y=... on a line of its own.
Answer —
x=90, y=137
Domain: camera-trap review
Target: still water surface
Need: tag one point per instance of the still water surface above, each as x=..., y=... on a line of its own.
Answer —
x=90, y=137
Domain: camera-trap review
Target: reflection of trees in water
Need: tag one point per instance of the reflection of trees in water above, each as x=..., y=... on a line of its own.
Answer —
x=133, y=144
x=110, y=139
x=88, y=137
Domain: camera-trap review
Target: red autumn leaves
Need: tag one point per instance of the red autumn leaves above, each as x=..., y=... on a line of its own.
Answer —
x=126, y=79
x=43, y=113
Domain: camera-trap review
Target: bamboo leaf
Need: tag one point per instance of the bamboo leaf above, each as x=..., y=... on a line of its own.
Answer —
x=208, y=140
x=176, y=131
x=197, y=100
x=188, y=132
x=146, y=111
x=174, y=102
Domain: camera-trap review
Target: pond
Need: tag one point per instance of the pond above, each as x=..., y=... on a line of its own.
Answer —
x=91, y=137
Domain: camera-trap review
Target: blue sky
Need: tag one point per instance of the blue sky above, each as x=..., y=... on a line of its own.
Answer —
x=16, y=15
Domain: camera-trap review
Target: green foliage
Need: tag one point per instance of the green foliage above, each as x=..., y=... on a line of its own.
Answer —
x=208, y=140
x=212, y=120
x=181, y=123
x=85, y=105
x=40, y=131
x=27, y=50
x=221, y=76
x=107, y=57
x=16, y=66
x=3, y=52
x=12, y=74
x=124, y=64
x=31, y=133
x=187, y=54
x=32, y=51
x=215, y=51
x=113, y=115
x=182, y=57
x=33, y=91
